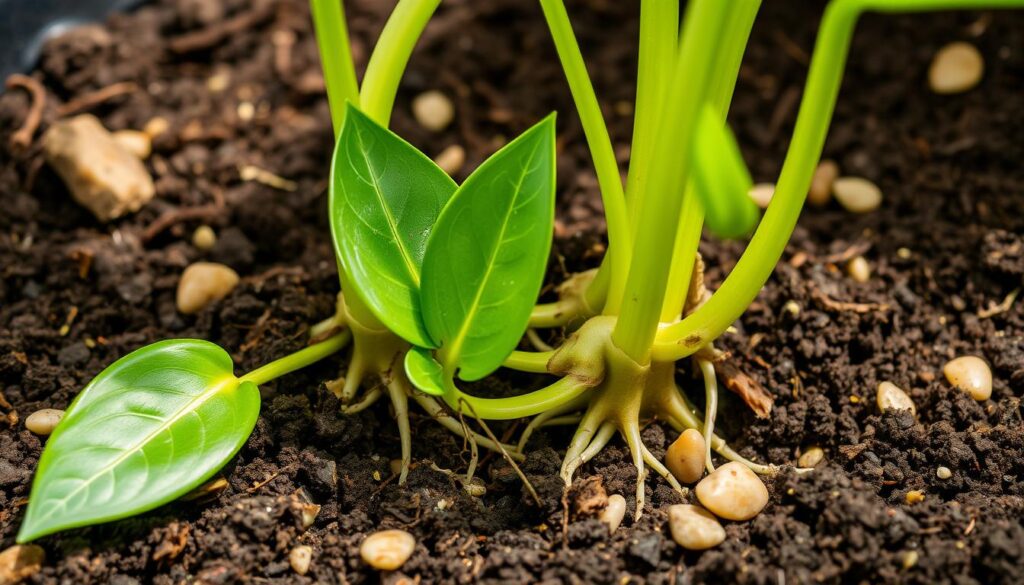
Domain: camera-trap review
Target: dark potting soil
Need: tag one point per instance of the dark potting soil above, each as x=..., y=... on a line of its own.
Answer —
x=946, y=245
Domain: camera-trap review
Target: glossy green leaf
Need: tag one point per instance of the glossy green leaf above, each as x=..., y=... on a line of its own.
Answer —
x=721, y=178
x=150, y=428
x=385, y=198
x=485, y=259
x=424, y=371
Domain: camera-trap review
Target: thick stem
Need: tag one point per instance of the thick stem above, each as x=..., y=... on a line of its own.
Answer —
x=335, y=56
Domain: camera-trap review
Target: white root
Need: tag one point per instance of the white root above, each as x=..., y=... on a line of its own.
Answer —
x=710, y=409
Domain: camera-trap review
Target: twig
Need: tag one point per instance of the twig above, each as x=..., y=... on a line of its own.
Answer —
x=994, y=309
x=214, y=34
x=95, y=98
x=22, y=137
x=169, y=218
x=834, y=305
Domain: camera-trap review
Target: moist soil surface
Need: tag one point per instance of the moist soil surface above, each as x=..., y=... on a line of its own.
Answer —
x=238, y=83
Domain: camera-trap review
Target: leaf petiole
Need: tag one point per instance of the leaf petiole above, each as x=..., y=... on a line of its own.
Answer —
x=298, y=360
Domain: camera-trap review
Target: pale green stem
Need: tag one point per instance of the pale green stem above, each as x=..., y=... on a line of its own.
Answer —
x=596, y=132
x=297, y=360
x=391, y=55
x=710, y=409
x=535, y=362
x=335, y=56
x=659, y=210
x=536, y=402
x=815, y=114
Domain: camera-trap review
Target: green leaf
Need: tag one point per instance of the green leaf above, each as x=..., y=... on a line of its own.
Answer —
x=147, y=430
x=424, y=372
x=721, y=178
x=485, y=259
x=385, y=197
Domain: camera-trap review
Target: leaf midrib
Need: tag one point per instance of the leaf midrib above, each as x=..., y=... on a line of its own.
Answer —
x=182, y=412
x=460, y=337
x=410, y=266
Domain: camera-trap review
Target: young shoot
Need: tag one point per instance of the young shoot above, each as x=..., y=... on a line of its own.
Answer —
x=439, y=280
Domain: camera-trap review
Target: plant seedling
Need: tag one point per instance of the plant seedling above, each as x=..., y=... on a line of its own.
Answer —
x=440, y=279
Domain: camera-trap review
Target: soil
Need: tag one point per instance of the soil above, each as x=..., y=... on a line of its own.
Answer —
x=946, y=245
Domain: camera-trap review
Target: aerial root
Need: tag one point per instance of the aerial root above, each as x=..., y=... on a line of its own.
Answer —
x=707, y=369
x=438, y=413
x=580, y=441
x=365, y=402
x=399, y=393
x=636, y=448
x=601, y=439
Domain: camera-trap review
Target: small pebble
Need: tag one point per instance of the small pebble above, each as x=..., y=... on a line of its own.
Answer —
x=204, y=238
x=685, y=457
x=694, y=528
x=910, y=559
x=246, y=111
x=857, y=195
x=42, y=422
x=943, y=472
x=733, y=492
x=387, y=550
x=433, y=110
x=762, y=194
x=451, y=159
x=892, y=397
x=971, y=374
x=202, y=283
x=136, y=142
x=299, y=559
x=821, y=184
x=914, y=497
x=156, y=126
x=956, y=68
x=792, y=307
x=20, y=562
x=858, y=269
x=811, y=457
x=614, y=512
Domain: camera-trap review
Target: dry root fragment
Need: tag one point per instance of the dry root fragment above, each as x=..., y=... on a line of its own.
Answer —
x=747, y=388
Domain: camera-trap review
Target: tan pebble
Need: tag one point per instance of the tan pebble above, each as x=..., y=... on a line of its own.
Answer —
x=694, y=528
x=943, y=472
x=762, y=194
x=451, y=159
x=892, y=397
x=821, y=184
x=156, y=126
x=956, y=68
x=136, y=142
x=102, y=176
x=858, y=269
x=733, y=492
x=614, y=512
x=910, y=559
x=42, y=422
x=218, y=82
x=433, y=110
x=685, y=456
x=299, y=559
x=971, y=374
x=204, y=238
x=246, y=111
x=792, y=307
x=914, y=497
x=811, y=457
x=203, y=283
x=904, y=253
x=387, y=550
x=20, y=562
x=857, y=195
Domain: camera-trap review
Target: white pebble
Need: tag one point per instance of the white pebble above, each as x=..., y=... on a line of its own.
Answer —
x=857, y=195
x=762, y=194
x=858, y=269
x=299, y=559
x=971, y=374
x=892, y=397
x=202, y=283
x=943, y=472
x=387, y=550
x=136, y=142
x=451, y=159
x=433, y=110
x=614, y=512
x=821, y=184
x=204, y=238
x=811, y=457
x=694, y=528
x=42, y=422
x=956, y=68
x=733, y=492
x=685, y=456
